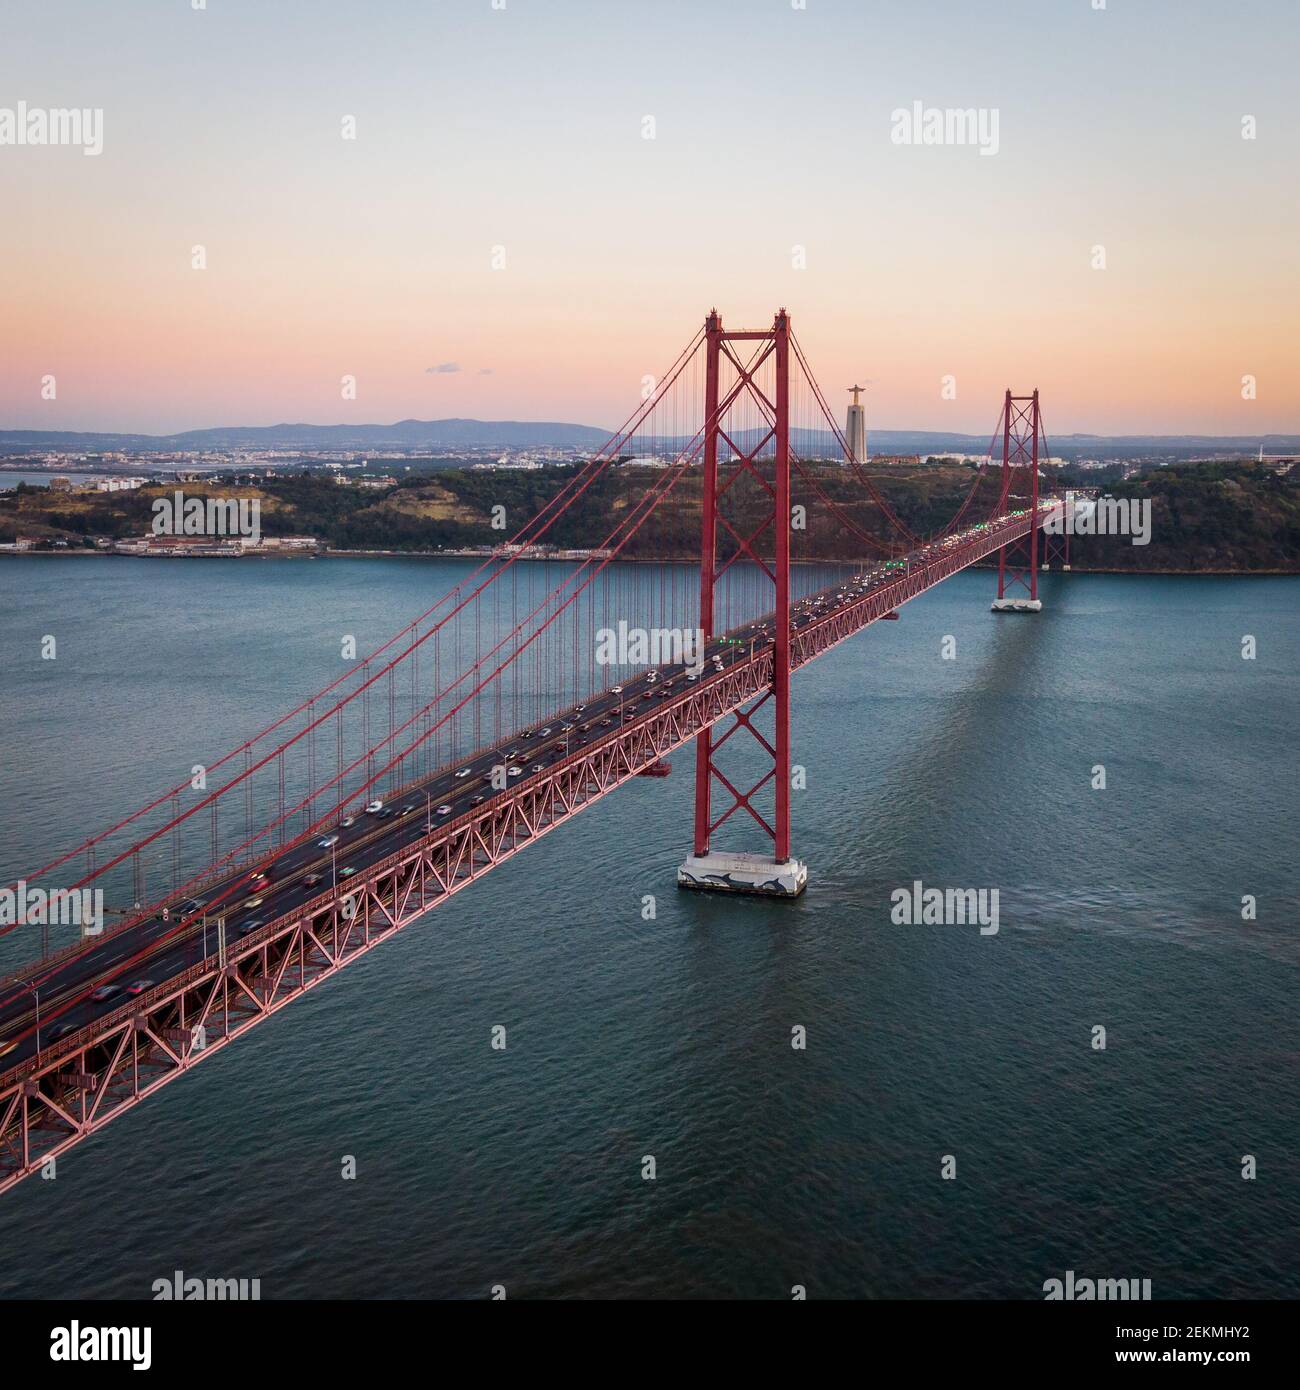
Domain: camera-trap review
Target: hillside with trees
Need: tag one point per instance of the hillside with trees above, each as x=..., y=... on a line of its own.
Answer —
x=1217, y=517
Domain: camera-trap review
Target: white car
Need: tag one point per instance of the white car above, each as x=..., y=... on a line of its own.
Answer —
x=464, y=772
x=444, y=810
x=616, y=690
x=327, y=842
x=374, y=808
x=514, y=772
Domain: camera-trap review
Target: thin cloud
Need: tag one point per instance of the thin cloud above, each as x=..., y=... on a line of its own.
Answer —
x=442, y=368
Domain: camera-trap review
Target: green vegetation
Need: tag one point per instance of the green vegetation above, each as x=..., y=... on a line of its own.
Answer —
x=1212, y=517
x=1205, y=517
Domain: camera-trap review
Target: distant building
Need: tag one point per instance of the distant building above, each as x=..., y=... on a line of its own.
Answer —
x=119, y=484
x=855, y=431
x=280, y=543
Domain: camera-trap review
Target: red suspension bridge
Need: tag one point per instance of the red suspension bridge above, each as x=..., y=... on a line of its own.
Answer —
x=499, y=713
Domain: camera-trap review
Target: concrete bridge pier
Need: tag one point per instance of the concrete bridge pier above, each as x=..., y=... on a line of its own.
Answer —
x=762, y=875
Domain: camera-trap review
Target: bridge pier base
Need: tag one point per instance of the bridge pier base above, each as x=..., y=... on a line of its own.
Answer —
x=743, y=872
x=1017, y=605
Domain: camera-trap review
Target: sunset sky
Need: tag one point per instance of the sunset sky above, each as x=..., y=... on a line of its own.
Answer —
x=522, y=128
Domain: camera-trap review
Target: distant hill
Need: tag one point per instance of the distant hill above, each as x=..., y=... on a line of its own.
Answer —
x=524, y=434
x=404, y=434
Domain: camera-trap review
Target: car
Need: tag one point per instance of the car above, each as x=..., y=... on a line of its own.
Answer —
x=373, y=808
x=326, y=841
x=464, y=772
x=254, y=902
x=606, y=722
x=59, y=1030
x=616, y=690
x=105, y=992
x=138, y=987
x=7, y=1047
x=580, y=708
x=517, y=771
x=347, y=821
x=406, y=810
x=477, y=800
x=647, y=694
x=387, y=813
x=537, y=767
x=311, y=880
x=248, y=928
x=690, y=680
x=566, y=728
x=443, y=810
x=545, y=732
x=257, y=876
x=347, y=871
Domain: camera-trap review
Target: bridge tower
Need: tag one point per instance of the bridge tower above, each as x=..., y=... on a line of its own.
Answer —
x=1056, y=541
x=776, y=873
x=1018, y=563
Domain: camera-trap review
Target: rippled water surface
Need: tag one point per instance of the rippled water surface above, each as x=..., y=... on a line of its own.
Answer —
x=671, y=1037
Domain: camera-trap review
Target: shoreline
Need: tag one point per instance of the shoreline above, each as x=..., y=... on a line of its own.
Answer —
x=639, y=560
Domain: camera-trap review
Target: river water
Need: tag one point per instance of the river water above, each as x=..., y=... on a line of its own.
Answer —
x=929, y=1048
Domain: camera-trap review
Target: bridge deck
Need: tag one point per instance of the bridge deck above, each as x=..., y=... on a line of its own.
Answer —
x=198, y=997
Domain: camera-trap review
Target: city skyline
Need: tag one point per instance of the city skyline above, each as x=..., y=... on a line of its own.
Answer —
x=938, y=274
